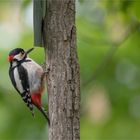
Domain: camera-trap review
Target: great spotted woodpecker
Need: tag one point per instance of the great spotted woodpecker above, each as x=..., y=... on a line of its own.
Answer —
x=28, y=78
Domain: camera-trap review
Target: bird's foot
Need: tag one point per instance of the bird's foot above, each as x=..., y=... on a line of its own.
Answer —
x=46, y=68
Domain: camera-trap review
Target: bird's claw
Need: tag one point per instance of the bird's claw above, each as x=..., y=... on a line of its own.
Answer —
x=46, y=68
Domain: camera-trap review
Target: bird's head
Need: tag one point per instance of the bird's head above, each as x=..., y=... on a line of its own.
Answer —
x=18, y=54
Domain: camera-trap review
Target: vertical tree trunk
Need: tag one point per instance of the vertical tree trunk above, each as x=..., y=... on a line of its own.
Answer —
x=63, y=79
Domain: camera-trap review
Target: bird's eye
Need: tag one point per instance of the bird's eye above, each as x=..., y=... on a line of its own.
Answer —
x=22, y=52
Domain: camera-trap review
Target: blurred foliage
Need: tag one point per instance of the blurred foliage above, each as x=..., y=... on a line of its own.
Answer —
x=108, y=33
x=25, y=3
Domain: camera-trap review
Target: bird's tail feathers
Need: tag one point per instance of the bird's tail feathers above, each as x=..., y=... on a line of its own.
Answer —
x=45, y=114
x=31, y=109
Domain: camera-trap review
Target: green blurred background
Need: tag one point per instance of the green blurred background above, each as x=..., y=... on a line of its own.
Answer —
x=108, y=40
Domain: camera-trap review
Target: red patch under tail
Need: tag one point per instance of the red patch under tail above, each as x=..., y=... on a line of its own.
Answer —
x=36, y=99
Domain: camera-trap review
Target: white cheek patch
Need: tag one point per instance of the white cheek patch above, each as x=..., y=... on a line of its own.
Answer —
x=18, y=57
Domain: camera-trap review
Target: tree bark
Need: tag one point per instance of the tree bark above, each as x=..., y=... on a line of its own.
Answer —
x=63, y=80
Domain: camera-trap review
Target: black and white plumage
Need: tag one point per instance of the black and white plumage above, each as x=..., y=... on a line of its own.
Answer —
x=27, y=78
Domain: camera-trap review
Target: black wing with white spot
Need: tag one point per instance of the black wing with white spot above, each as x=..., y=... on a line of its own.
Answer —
x=19, y=78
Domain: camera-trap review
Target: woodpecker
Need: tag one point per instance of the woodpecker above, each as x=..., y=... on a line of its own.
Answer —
x=28, y=78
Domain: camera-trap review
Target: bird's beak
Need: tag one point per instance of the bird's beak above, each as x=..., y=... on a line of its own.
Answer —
x=29, y=50
x=10, y=58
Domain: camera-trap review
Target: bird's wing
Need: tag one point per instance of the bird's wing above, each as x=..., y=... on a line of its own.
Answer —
x=19, y=79
x=12, y=78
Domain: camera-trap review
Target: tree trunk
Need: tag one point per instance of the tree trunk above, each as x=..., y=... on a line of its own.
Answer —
x=63, y=80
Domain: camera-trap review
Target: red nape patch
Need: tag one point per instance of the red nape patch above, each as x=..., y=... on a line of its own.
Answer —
x=36, y=99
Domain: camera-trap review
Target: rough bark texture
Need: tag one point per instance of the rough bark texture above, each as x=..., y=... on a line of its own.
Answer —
x=63, y=79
